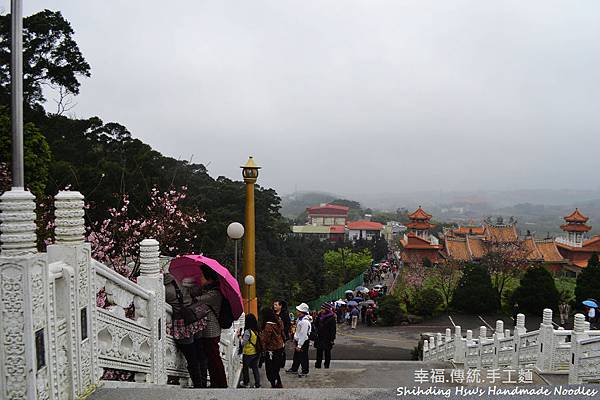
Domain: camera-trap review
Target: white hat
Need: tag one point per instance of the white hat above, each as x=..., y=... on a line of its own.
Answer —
x=303, y=308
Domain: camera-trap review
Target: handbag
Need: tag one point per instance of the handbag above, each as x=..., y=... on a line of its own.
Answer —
x=184, y=313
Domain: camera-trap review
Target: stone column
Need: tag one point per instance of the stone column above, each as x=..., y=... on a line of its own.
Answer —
x=151, y=279
x=447, y=339
x=23, y=299
x=459, y=346
x=546, y=342
x=498, y=334
x=482, y=338
x=432, y=348
x=440, y=350
x=577, y=335
x=71, y=249
x=425, y=350
x=519, y=330
x=468, y=341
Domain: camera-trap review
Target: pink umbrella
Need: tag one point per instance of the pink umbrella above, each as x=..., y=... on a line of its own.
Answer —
x=188, y=266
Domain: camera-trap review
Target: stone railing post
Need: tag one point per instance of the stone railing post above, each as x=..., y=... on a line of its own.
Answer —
x=546, y=340
x=425, y=350
x=498, y=334
x=459, y=346
x=80, y=302
x=577, y=335
x=432, y=348
x=447, y=339
x=440, y=348
x=151, y=279
x=519, y=330
x=482, y=337
x=23, y=299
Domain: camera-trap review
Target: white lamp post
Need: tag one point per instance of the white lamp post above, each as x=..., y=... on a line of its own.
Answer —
x=235, y=231
x=249, y=281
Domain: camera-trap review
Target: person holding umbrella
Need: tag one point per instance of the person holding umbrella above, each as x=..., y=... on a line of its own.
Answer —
x=211, y=335
x=591, y=305
x=326, y=330
x=219, y=295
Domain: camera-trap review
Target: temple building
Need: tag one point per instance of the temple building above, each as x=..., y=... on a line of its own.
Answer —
x=418, y=245
x=577, y=247
x=473, y=243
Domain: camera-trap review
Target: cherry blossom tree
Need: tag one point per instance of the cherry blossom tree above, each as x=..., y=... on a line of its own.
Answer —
x=115, y=240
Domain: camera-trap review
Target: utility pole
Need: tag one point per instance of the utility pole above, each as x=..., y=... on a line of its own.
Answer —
x=16, y=79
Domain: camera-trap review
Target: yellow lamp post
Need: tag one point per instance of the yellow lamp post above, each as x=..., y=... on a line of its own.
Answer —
x=250, y=174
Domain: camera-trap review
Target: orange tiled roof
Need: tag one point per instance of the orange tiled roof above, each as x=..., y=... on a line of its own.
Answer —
x=533, y=253
x=365, y=226
x=419, y=214
x=575, y=227
x=469, y=230
x=549, y=251
x=457, y=249
x=420, y=225
x=337, y=229
x=476, y=247
x=576, y=216
x=328, y=209
x=501, y=233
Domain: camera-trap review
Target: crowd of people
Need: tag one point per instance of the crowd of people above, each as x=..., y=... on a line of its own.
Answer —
x=196, y=329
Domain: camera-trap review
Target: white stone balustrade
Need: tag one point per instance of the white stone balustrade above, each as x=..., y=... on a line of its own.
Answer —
x=547, y=350
x=57, y=338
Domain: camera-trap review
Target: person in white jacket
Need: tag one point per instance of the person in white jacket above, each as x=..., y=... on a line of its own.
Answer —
x=301, y=342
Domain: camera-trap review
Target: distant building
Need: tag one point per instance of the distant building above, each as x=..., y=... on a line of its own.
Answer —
x=577, y=247
x=327, y=215
x=325, y=222
x=472, y=243
x=418, y=245
x=392, y=231
x=364, y=230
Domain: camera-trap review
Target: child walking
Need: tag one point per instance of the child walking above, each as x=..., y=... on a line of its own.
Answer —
x=250, y=345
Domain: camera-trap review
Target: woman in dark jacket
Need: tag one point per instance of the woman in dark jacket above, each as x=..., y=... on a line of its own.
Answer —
x=281, y=310
x=272, y=342
x=326, y=330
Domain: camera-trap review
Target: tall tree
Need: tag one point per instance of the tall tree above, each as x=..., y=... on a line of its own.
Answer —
x=587, y=281
x=504, y=262
x=50, y=57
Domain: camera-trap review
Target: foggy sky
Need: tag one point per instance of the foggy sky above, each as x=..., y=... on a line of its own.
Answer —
x=352, y=96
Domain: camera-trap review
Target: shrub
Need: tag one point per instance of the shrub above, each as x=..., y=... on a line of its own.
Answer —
x=474, y=293
x=389, y=310
x=426, y=301
x=587, y=281
x=536, y=291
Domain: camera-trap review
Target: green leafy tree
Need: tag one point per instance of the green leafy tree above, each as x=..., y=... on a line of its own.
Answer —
x=587, y=286
x=389, y=310
x=36, y=153
x=426, y=301
x=536, y=291
x=50, y=57
x=343, y=264
x=445, y=277
x=474, y=293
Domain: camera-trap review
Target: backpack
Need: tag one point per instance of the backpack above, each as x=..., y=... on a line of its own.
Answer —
x=225, y=317
x=185, y=313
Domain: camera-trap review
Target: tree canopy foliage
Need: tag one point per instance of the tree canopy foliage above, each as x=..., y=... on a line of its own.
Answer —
x=474, y=293
x=536, y=291
x=587, y=281
x=50, y=56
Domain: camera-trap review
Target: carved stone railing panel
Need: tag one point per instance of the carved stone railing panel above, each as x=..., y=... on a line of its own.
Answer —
x=528, y=348
x=589, y=360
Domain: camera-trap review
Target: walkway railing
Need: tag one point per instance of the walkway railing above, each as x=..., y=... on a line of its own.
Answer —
x=68, y=321
x=575, y=353
x=338, y=293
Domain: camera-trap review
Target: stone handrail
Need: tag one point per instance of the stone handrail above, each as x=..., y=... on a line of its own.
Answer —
x=575, y=353
x=67, y=321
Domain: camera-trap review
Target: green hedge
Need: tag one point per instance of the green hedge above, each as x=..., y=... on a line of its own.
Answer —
x=338, y=293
